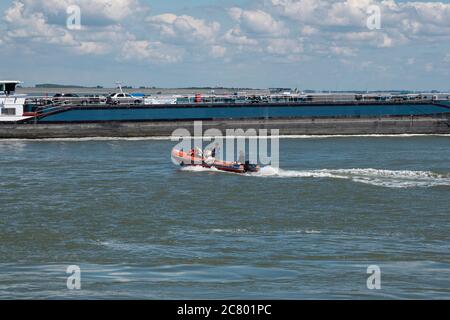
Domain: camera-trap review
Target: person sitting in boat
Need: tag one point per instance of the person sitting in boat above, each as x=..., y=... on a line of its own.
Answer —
x=198, y=152
x=215, y=150
x=241, y=158
x=209, y=159
x=207, y=153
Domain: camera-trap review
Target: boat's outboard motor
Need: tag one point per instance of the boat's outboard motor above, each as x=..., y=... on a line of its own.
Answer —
x=249, y=167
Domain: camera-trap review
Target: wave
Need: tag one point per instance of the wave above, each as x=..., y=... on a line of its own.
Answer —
x=238, y=230
x=254, y=232
x=406, y=135
x=376, y=177
x=168, y=138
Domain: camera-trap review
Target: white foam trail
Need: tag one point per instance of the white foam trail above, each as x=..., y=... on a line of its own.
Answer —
x=86, y=139
x=230, y=231
x=312, y=232
x=199, y=169
x=323, y=136
x=228, y=137
x=377, y=177
x=361, y=136
x=269, y=232
x=280, y=173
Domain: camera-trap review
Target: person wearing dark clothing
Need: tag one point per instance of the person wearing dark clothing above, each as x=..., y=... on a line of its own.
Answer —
x=215, y=150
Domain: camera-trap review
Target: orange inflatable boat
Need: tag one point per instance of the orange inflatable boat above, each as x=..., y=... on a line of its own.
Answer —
x=191, y=159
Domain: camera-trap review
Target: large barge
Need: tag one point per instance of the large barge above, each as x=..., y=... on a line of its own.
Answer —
x=124, y=115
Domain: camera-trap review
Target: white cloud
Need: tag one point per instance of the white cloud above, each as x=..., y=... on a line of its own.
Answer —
x=308, y=31
x=447, y=58
x=257, y=21
x=218, y=51
x=409, y=19
x=98, y=11
x=28, y=28
x=411, y=61
x=236, y=37
x=235, y=13
x=33, y=26
x=325, y=12
x=284, y=47
x=25, y=29
x=184, y=28
x=343, y=51
x=437, y=13
x=92, y=47
x=368, y=39
x=152, y=51
x=273, y=29
x=196, y=36
x=387, y=42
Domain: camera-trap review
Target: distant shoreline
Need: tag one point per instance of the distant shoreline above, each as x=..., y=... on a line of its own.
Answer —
x=147, y=91
x=193, y=90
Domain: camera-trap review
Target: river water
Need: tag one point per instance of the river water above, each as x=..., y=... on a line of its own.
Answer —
x=139, y=227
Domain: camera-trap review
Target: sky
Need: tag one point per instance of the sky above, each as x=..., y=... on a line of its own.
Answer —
x=305, y=44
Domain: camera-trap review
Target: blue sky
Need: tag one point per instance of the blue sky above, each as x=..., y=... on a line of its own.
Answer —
x=309, y=44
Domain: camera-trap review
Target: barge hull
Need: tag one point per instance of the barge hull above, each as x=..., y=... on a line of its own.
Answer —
x=438, y=124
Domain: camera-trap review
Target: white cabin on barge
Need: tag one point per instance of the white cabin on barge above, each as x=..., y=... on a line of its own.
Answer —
x=11, y=104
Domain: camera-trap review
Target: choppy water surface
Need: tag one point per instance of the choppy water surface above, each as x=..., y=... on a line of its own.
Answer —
x=139, y=227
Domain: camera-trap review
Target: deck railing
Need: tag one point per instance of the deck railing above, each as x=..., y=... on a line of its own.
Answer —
x=44, y=103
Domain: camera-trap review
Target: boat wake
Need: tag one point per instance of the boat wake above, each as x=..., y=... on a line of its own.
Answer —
x=201, y=169
x=376, y=177
x=169, y=138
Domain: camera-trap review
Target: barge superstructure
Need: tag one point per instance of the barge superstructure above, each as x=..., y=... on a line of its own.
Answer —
x=160, y=115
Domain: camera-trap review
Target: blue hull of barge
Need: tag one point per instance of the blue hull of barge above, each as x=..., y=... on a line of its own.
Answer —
x=217, y=112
